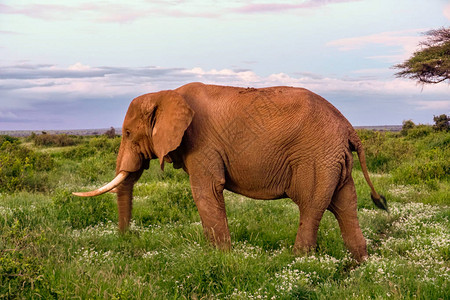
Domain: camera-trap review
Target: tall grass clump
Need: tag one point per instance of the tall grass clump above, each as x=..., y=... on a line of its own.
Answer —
x=81, y=212
x=22, y=168
x=164, y=202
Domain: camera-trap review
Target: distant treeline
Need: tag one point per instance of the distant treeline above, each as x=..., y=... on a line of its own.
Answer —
x=118, y=131
x=81, y=132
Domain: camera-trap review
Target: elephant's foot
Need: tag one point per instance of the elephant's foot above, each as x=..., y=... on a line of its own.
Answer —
x=357, y=248
x=218, y=238
x=303, y=250
x=306, y=240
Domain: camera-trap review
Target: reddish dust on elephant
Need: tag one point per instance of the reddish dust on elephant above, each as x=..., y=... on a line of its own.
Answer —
x=267, y=143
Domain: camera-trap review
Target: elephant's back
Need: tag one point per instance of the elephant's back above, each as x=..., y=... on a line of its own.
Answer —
x=281, y=110
x=294, y=100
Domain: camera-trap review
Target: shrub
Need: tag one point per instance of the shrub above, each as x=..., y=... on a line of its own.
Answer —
x=78, y=152
x=384, y=150
x=21, y=168
x=407, y=125
x=103, y=143
x=431, y=165
x=95, y=146
x=436, y=140
x=419, y=131
x=22, y=277
x=7, y=138
x=422, y=172
x=442, y=123
x=60, y=140
x=111, y=133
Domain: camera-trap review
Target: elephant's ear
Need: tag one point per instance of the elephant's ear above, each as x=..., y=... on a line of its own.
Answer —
x=170, y=120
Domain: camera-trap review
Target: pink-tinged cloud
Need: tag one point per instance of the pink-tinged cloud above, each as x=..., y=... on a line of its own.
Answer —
x=121, y=13
x=105, y=12
x=9, y=32
x=39, y=11
x=278, y=7
x=97, y=12
x=406, y=41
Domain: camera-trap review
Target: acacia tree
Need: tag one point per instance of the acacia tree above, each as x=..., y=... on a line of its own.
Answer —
x=431, y=64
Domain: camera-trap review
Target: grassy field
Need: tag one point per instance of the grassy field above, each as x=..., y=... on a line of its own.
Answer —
x=55, y=245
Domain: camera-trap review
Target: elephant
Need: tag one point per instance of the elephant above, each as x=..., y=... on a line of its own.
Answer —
x=263, y=143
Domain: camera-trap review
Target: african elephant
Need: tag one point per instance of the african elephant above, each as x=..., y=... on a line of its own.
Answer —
x=266, y=143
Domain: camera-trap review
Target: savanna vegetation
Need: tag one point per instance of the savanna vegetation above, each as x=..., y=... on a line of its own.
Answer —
x=55, y=245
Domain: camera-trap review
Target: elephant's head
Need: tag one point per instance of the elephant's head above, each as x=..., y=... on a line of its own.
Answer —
x=154, y=125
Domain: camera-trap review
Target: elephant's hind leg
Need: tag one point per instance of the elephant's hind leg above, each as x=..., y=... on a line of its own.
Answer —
x=344, y=207
x=306, y=238
x=312, y=199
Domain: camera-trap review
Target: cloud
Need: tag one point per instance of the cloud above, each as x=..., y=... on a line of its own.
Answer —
x=8, y=116
x=82, y=96
x=39, y=11
x=406, y=42
x=82, y=81
x=78, y=70
x=116, y=12
x=98, y=11
x=273, y=7
x=7, y=32
x=439, y=105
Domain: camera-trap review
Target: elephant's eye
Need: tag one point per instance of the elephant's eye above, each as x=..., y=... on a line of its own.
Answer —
x=127, y=133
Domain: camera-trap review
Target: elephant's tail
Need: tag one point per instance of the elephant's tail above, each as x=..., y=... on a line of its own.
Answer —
x=355, y=142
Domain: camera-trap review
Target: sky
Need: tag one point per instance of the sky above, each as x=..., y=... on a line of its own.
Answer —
x=77, y=64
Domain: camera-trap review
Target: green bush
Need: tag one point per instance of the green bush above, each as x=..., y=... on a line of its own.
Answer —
x=440, y=139
x=384, y=150
x=433, y=165
x=442, y=122
x=106, y=144
x=78, y=152
x=96, y=145
x=22, y=168
x=7, y=138
x=419, y=131
x=22, y=276
x=59, y=140
x=407, y=125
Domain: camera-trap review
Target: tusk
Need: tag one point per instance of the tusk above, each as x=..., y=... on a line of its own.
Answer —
x=106, y=188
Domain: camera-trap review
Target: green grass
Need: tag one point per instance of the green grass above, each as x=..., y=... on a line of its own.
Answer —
x=55, y=245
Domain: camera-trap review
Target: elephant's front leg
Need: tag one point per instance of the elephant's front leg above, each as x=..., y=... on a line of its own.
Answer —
x=208, y=196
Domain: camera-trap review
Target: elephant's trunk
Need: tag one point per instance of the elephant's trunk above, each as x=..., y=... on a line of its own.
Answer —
x=124, y=204
x=125, y=199
x=106, y=188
